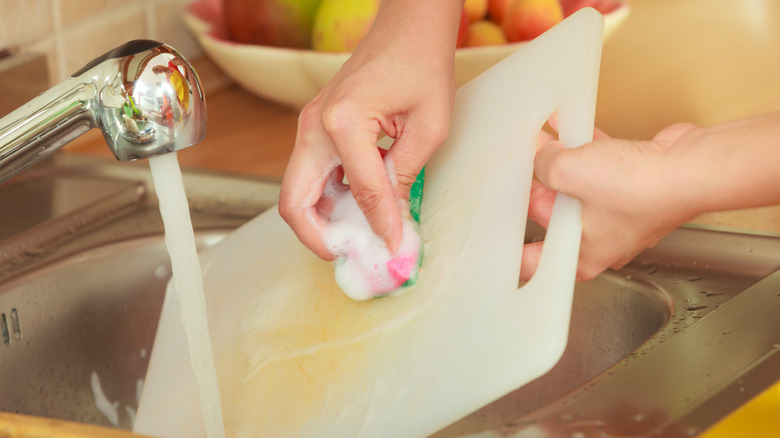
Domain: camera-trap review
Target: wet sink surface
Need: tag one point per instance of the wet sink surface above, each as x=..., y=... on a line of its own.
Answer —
x=81, y=306
x=95, y=312
x=90, y=316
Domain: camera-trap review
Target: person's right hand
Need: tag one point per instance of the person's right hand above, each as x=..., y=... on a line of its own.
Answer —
x=400, y=82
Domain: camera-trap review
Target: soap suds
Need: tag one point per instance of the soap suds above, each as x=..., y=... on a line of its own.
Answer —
x=364, y=267
x=103, y=404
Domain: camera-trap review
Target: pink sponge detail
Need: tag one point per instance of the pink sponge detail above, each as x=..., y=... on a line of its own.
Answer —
x=401, y=268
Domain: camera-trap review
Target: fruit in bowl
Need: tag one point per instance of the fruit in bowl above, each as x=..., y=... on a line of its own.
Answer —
x=267, y=64
x=279, y=23
x=340, y=25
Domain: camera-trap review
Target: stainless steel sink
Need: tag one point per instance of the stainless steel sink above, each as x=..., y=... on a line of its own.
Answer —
x=83, y=269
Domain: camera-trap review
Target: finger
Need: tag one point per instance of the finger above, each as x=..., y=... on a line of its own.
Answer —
x=333, y=190
x=409, y=153
x=367, y=175
x=298, y=207
x=530, y=260
x=372, y=191
x=546, y=164
x=311, y=164
x=543, y=138
x=540, y=203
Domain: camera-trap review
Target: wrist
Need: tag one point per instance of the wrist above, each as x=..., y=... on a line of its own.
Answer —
x=685, y=173
x=427, y=28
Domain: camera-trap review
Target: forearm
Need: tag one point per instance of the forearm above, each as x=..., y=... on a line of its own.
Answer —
x=425, y=27
x=731, y=165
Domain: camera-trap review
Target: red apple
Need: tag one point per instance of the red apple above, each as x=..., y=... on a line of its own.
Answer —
x=527, y=19
x=281, y=23
x=496, y=9
x=463, y=29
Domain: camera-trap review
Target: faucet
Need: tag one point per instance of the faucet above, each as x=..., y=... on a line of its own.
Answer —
x=143, y=95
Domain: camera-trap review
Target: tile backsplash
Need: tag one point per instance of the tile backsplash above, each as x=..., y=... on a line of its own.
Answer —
x=70, y=33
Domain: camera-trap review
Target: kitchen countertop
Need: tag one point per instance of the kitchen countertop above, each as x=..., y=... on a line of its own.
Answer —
x=702, y=61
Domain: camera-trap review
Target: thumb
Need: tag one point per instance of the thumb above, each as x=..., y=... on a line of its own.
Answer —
x=547, y=165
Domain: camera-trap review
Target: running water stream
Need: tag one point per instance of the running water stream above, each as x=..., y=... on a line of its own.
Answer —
x=188, y=285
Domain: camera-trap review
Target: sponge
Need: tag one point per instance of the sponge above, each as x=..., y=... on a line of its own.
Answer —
x=364, y=267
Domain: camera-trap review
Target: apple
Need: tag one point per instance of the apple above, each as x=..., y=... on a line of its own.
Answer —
x=496, y=9
x=485, y=33
x=527, y=19
x=340, y=25
x=463, y=29
x=475, y=9
x=280, y=23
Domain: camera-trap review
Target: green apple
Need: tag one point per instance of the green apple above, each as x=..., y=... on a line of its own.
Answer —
x=281, y=23
x=340, y=25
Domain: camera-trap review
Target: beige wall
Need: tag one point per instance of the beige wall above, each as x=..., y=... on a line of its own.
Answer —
x=72, y=32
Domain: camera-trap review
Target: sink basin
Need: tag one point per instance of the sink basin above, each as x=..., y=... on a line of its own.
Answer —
x=91, y=315
x=82, y=282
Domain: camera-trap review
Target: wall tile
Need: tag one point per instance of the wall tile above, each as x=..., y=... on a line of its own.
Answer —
x=73, y=12
x=72, y=32
x=169, y=27
x=82, y=43
x=24, y=21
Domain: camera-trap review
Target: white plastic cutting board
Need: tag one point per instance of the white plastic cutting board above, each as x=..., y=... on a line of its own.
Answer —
x=296, y=357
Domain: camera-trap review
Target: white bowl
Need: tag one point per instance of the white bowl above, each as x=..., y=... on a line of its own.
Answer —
x=292, y=77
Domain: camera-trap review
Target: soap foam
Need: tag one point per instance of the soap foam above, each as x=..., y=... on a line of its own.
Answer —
x=364, y=267
x=106, y=407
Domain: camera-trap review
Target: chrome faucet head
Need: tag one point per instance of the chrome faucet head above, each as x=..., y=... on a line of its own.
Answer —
x=144, y=96
x=148, y=100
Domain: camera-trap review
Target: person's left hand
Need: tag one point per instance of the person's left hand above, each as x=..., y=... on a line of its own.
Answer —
x=630, y=193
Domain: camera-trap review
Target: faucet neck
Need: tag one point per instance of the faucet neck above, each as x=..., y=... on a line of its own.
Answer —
x=45, y=124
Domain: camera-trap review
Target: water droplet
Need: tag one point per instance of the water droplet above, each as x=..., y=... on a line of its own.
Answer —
x=749, y=250
x=726, y=332
x=692, y=307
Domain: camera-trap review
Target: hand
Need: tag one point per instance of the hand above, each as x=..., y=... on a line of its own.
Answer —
x=630, y=191
x=400, y=82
